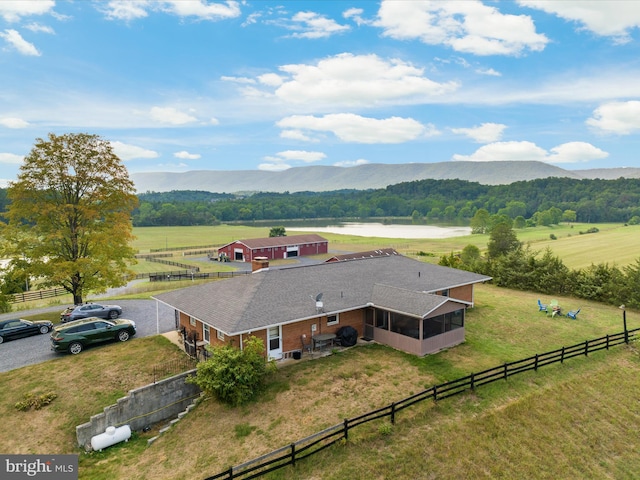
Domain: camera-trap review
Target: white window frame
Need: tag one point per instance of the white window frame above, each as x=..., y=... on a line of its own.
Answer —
x=333, y=322
x=220, y=335
x=206, y=333
x=192, y=321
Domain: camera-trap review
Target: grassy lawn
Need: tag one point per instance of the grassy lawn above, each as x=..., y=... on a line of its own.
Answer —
x=577, y=420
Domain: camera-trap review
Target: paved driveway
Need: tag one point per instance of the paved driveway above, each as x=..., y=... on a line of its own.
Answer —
x=150, y=317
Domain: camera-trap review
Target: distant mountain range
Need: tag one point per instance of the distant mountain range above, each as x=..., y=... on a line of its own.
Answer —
x=363, y=177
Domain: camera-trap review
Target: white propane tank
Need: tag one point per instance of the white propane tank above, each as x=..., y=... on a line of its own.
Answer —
x=111, y=436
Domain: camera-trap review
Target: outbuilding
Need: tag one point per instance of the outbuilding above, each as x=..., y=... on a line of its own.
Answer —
x=274, y=248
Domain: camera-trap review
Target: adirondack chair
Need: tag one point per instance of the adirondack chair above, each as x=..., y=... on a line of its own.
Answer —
x=541, y=306
x=573, y=314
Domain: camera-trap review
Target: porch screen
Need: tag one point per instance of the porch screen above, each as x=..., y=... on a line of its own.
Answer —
x=442, y=323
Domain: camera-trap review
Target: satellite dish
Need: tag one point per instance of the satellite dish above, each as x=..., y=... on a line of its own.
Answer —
x=318, y=297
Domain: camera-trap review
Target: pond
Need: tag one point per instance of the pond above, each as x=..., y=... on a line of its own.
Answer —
x=386, y=231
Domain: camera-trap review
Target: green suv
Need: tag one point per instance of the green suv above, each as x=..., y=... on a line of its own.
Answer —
x=75, y=336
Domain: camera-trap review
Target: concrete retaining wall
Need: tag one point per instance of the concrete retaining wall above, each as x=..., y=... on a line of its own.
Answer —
x=142, y=407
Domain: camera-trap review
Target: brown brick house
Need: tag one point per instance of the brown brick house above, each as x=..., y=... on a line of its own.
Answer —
x=407, y=304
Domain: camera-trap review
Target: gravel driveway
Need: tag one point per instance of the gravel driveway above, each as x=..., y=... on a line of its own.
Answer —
x=150, y=316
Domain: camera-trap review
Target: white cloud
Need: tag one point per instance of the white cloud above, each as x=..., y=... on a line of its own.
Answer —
x=11, y=122
x=301, y=155
x=11, y=158
x=469, y=26
x=282, y=160
x=357, y=129
x=128, y=10
x=313, y=25
x=36, y=27
x=273, y=167
x=297, y=135
x=13, y=38
x=355, y=14
x=240, y=80
x=485, y=133
x=488, y=71
x=13, y=10
x=186, y=155
x=575, y=152
x=572, y=152
x=203, y=9
x=170, y=115
x=271, y=79
x=131, y=152
x=351, y=163
x=358, y=80
x=608, y=18
x=617, y=117
x=125, y=9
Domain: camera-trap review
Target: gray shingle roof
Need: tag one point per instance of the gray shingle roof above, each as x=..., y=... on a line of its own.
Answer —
x=277, y=296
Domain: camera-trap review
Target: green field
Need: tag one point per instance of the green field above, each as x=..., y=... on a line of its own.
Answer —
x=613, y=244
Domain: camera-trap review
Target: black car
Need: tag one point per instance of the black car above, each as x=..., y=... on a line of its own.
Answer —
x=18, y=328
x=87, y=310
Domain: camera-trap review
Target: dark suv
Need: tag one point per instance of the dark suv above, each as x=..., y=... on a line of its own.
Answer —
x=90, y=310
x=75, y=336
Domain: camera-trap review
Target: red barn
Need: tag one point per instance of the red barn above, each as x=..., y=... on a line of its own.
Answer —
x=274, y=248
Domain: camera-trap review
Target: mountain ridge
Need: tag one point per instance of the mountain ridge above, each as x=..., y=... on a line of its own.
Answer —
x=318, y=178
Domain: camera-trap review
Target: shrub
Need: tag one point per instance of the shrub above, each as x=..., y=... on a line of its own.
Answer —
x=234, y=376
x=553, y=236
x=36, y=402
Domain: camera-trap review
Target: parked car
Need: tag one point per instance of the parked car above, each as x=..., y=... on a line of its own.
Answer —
x=75, y=336
x=90, y=310
x=18, y=328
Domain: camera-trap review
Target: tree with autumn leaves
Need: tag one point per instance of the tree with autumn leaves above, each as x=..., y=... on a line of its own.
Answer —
x=69, y=219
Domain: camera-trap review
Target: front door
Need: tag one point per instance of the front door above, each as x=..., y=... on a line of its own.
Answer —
x=274, y=341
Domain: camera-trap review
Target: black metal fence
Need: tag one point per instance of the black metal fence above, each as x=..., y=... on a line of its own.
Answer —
x=301, y=449
x=173, y=367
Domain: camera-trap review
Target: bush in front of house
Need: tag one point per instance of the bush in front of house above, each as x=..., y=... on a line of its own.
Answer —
x=234, y=376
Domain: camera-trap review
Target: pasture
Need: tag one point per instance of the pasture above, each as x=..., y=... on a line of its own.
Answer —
x=614, y=243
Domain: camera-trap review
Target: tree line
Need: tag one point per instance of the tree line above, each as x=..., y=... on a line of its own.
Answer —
x=538, y=202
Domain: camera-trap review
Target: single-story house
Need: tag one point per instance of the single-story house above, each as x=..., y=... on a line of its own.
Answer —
x=274, y=247
x=410, y=305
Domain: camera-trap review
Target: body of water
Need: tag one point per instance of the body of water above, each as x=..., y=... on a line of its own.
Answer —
x=386, y=231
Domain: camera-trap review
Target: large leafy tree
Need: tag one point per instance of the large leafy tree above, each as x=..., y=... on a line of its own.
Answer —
x=70, y=214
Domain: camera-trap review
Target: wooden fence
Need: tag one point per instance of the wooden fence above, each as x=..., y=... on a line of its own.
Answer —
x=37, y=295
x=301, y=449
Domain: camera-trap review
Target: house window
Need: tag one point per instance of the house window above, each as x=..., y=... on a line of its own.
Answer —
x=206, y=333
x=220, y=335
x=332, y=319
x=445, y=293
x=192, y=321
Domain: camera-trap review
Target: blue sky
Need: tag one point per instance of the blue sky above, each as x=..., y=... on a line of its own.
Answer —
x=210, y=85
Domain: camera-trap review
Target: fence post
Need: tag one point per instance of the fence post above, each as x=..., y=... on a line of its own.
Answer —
x=586, y=348
x=535, y=365
x=506, y=371
x=435, y=393
x=346, y=429
x=607, y=341
x=293, y=454
x=473, y=384
x=562, y=356
x=393, y=413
